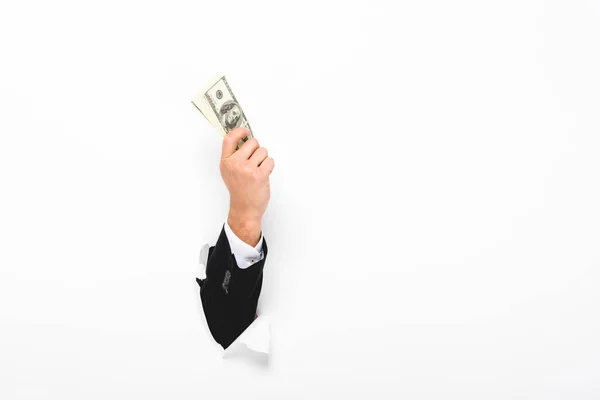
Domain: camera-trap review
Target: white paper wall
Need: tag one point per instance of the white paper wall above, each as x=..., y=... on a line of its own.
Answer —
x=434, y=222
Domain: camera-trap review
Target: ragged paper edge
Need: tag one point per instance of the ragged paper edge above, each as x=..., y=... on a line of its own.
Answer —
x=253, y=344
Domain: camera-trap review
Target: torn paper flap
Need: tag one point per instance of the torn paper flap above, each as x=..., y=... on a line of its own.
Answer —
x=201, y=267
x=254, y=342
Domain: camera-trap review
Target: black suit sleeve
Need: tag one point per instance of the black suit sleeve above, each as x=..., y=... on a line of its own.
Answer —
x=229, y=294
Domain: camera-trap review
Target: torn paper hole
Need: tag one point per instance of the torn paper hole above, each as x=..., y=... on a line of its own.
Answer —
x=254, y=344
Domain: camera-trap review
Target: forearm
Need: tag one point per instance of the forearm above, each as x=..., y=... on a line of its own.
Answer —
x=245, y=226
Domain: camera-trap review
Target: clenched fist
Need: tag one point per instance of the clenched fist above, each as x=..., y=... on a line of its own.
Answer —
x=246, y=174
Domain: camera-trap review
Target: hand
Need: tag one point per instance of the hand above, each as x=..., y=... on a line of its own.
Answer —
x=246, y=172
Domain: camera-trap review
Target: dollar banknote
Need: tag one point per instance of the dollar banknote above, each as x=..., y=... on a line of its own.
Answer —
x=218, y=105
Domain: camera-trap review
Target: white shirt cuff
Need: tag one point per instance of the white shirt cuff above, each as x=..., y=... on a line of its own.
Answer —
x=245, y=255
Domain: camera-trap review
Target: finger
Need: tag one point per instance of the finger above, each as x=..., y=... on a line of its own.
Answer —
x=259, y=156
x=231, y=140
x=247, y=149
x=267, y=165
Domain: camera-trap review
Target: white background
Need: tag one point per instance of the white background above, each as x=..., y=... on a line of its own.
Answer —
x=434, y=228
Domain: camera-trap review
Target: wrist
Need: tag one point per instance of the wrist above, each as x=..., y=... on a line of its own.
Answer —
x=247, y=227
